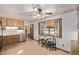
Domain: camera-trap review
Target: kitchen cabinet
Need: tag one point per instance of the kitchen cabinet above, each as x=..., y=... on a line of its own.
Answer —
x=10, y=22
x=20, y=24
x=3, y=20
x=15, y=23
x=1, y=42
x=11, y=39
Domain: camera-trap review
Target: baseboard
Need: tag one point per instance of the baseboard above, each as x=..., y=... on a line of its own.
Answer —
x=58, y=48
x=35, y=40
x=22, y=41
x=63, y=50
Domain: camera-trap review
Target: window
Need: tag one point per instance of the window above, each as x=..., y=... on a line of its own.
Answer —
x=51, y=28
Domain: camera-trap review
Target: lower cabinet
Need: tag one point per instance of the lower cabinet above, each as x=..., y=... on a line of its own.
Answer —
x=12, y=39
x=1, y=43
x=8, y=40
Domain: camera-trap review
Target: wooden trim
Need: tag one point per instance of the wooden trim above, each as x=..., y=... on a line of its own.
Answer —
x=63, y=50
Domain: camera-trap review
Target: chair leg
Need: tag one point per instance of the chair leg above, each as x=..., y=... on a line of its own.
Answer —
x=42, y=44
x=55, y=47
x=38, y=42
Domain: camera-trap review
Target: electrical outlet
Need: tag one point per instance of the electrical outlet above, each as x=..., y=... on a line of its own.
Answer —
x=63, y=45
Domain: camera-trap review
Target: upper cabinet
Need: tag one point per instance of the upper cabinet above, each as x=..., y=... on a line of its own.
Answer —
x=3, y=21
x=12, y=23
x=15, y=23
x=20, y=24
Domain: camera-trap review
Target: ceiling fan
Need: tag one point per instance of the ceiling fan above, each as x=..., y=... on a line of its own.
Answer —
x=38, y=12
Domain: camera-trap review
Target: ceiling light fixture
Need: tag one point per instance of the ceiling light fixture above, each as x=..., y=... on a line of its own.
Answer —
x=35, y=9
x=38, y=12
x=35, y=16
x=43, y=16
x=38, y=15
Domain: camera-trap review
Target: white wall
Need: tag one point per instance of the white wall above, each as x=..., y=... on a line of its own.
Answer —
x=78, y=23
x=69, y=29
x=78, y=18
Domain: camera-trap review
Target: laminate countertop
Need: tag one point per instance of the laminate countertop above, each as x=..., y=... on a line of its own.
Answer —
x=11, y=32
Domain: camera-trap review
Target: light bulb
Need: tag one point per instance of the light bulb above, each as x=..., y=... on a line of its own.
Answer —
x=35, y=9
x=42, y=16
x=34, y=16
x=38, y=15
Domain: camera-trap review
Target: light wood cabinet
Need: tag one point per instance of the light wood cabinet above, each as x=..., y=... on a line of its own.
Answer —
x=3, y=20
x=7, y=40
x=20, y=24
x=13, y=39
x=1, y=42
x=12, y=23
x=15, y=23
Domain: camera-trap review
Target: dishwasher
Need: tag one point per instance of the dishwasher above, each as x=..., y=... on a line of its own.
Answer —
x=22, y=37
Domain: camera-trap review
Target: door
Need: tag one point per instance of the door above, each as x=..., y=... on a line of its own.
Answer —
x=25, y=31
x=31, y=33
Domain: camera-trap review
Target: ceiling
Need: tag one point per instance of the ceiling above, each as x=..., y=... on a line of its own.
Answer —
x=26, y=10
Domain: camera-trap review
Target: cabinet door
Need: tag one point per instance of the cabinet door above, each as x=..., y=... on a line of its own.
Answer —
x=15, y=23
x=3, y=20
x=11, y=22
x=20, y=24
x=12, y=39
x=1, y=43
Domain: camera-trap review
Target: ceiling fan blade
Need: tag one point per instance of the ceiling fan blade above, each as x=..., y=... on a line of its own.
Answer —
x=49, y=13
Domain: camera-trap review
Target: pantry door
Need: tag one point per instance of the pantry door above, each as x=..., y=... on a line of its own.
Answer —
x=32, y=31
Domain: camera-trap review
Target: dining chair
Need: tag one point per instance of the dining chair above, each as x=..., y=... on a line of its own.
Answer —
x=52, y=43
